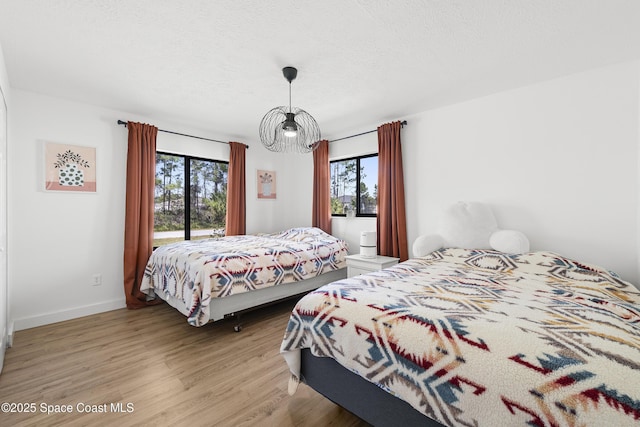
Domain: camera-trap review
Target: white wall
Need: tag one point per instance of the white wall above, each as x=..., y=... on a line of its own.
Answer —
x=59, y=240
x=637, y=282
x=4, y=78
x=557, y=160
x=293, y=205
x=4, y=290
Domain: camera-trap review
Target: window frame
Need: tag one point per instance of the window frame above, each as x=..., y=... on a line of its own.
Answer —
x=187, y=185
x=358, y=214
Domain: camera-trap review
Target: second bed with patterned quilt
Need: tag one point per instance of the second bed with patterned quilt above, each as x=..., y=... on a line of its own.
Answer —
x=209, y=279
x=480, y=338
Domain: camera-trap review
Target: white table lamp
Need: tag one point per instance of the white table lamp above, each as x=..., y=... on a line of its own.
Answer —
x=368, y=244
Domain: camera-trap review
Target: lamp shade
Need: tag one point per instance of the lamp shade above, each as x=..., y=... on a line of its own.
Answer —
x=292, y=129
x=278, y=123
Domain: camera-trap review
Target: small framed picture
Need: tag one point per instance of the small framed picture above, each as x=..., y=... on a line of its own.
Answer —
x=266, y=184
x=69, y=168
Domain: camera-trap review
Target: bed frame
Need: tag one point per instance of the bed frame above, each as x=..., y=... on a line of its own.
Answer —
x=357, y=395
x=233, y=305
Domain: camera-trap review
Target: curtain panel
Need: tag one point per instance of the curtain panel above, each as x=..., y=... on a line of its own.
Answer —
x=392, y=223
x=236, y=218
x=138, y=222
x=321, y=208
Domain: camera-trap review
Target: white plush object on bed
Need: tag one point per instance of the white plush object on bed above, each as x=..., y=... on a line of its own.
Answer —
x=509, y=241
x=471, y=225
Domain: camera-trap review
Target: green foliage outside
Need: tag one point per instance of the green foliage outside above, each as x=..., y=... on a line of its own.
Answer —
x=207, y=190
x=343, y=189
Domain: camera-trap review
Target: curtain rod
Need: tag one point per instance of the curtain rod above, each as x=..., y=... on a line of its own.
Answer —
x=402, y=124
x=123, y=123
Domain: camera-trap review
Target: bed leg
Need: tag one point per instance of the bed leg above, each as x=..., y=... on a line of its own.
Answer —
x=238, y=326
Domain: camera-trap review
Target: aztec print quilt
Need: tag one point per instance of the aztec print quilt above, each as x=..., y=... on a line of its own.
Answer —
x=195, y=271
x=482, y=338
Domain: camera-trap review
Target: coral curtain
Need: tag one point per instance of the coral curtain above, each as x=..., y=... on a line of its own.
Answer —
x=138, y=220
x=321, y=215
x=392, y=223
x=236, y=219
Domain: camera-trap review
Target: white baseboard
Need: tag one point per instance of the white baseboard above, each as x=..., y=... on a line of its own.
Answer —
x=60, y=316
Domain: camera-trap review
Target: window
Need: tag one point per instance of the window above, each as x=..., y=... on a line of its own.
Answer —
x=354, y=186
x=190, y=198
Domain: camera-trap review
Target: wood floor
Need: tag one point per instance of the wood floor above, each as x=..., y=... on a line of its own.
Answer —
x=158, y=371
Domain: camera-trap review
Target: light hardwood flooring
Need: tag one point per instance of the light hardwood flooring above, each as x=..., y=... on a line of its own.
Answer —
x=162, y=371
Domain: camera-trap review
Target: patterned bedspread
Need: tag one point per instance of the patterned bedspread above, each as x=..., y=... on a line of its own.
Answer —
x=197, y=270
x=481, y=338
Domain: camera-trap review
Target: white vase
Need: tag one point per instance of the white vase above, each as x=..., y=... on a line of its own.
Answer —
x=71, y=176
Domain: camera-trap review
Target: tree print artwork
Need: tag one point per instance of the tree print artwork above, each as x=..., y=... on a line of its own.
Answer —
x=266, y=184
x=70, y=168
x=69, y=172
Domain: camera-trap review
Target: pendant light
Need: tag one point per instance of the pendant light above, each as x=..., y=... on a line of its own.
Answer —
x=289, y=129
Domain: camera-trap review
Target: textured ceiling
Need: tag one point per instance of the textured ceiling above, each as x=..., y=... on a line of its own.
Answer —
x=216, y=65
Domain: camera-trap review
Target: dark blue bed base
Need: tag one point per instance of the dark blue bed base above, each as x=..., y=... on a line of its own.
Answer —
x=357, y=395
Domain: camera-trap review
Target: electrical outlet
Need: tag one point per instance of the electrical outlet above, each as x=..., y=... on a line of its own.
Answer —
x=96, y=279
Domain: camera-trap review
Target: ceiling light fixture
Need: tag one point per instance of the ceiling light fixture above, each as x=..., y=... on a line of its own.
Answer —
x=289, y=130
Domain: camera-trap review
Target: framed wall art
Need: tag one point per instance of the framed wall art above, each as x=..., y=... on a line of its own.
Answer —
x=69, y=168
x=266, y=184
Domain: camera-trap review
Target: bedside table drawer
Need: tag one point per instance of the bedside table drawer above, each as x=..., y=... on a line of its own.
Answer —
x=357, y=264
x=356, y=271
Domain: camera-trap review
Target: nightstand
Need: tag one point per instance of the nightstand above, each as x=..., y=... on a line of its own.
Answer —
x=357, y=264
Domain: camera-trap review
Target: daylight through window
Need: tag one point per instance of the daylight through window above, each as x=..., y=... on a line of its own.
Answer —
x=354, y=186
x=190, y=198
